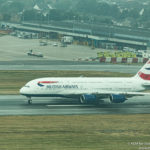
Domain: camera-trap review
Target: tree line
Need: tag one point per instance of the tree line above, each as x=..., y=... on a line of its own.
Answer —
x=92, y=11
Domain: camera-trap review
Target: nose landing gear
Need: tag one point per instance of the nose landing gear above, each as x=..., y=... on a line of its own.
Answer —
x=29, y=100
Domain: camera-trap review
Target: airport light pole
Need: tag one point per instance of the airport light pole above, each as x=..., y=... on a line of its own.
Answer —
x=73, y=23
x=91, y=22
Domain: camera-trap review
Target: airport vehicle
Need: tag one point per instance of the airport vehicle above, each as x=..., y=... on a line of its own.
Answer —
x=142, y=53
x=90, y=89
x=30, y=53
x=67, y=39
x=43, y=43
x=55, y=44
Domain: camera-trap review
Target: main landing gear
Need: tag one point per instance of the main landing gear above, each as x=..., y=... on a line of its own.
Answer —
x=29, y=100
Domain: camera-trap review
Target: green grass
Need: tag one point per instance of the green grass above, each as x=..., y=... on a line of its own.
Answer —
x=87, y=132
x=12, y=81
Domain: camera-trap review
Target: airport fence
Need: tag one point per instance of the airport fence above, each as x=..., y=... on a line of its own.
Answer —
x=115, y=60
x=122, y=60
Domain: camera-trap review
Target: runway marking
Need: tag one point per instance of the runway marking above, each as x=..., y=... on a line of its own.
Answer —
x=70, y=105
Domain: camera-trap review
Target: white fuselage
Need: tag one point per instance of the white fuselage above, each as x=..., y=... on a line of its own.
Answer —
x=68, y=86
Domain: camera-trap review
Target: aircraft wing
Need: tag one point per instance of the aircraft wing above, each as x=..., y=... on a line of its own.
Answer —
x=107, y=93
x=127, y=94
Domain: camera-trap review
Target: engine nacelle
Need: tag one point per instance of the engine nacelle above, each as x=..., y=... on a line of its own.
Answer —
x=116, y=98
x=87, y=99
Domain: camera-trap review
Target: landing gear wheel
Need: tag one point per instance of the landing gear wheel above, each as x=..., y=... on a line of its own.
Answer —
x=29, y=101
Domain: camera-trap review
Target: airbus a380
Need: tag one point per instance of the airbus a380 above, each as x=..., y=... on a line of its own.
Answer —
x=90, y=89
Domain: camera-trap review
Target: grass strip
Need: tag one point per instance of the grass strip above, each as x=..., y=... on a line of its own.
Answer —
x=86, y=132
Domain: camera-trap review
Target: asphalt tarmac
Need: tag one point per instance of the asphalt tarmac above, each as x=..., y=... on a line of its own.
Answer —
x=17, y=105
x=68, y=65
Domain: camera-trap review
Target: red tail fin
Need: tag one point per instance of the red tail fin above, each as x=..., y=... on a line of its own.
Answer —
x=144, y=73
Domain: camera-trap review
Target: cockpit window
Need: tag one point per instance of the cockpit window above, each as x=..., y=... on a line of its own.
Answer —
x=27, y=86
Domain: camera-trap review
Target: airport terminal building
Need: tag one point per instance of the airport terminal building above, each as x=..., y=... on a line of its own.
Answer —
x=97, y=36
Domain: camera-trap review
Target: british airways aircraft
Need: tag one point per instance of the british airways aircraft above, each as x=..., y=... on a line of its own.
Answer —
x=90, y=89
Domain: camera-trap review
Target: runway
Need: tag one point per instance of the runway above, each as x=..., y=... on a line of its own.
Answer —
x=17, y=105
x=68, y=65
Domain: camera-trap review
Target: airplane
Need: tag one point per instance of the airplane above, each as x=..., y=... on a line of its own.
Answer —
x=90, y=89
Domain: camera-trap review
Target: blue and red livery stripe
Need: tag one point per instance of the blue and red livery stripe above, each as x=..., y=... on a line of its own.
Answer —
x=40, y=83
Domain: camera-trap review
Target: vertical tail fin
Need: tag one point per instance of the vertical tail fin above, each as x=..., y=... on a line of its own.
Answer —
x=144, y=72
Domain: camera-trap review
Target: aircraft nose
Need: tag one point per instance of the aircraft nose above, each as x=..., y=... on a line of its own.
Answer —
x=22, y=90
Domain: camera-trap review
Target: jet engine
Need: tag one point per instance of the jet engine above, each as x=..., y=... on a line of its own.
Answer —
x=117, y=98
x=87, y=99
